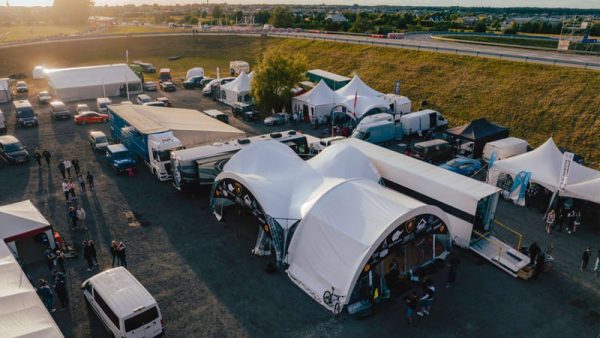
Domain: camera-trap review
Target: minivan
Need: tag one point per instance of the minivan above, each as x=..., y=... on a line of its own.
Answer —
x=122, y=304
x=59, y=110
x=98, y=140
x=433, y=151
x=217, y=114
x=26, y=117
x=143, y=98
x=102, y=104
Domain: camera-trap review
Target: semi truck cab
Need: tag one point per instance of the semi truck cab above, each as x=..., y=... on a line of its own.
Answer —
x=160, y=147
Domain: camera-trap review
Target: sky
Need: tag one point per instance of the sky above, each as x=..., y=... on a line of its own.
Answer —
x=475, y=3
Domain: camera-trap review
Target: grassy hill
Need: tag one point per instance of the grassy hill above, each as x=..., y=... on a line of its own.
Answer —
x=535, y=101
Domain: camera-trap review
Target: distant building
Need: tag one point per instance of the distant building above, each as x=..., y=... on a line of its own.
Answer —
x=336, y=18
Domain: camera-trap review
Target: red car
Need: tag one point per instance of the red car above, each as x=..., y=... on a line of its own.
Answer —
x=90, y=117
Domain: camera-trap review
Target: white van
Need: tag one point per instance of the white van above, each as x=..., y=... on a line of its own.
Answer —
x=423, y=120
x=102, y=104
x=505, y=148
x=123, y=305
x=2, y=123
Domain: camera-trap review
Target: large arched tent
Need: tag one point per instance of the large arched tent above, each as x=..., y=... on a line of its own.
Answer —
x=352, y=227
x=237, y=90
x=315, y=104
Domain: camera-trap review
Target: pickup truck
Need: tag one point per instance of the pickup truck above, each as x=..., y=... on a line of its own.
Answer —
x=119, y=158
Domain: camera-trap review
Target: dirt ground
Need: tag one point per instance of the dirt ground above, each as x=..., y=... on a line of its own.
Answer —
x=207, y=282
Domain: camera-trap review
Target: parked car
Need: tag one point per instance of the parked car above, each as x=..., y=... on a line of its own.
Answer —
x=90, y=117
x=146, y=67
x=59, y=110
x=44, y=97
x=245, y=111
x=22, y=87
x=167, y=86
x=81, y=107
x=462, y=165
x=277, y=119
x=12, y=151
x=26, y=116
x=123, y=305
x=433, y=151
x=98, y=140
x=150, y=86
x=205, y=80
x=164, y=100
x=143, y=98
x=193, y=82
x=119, y=158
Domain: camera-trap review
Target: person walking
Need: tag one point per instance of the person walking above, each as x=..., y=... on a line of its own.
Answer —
x=46, y=295
x=570, y=221
x=38, y=158
x=68, y=166
x=90, y=180
x=71, y=187
x=75, y=163
x=61, y=168
x=122, y=255
x=426, y=299
x=60, y=288
x=81, y=217
x=65, y=187
x=560, y=218
x=88, y=254
x=597, y=265
x=114, y=251
x=73, y=217
x=585, y=258
x=46, y=154
x=60, y=260
x=49, y=255
x=93, y=251
x=577, y=221
x=81, y=182
x=411, y=306
x=550, y=218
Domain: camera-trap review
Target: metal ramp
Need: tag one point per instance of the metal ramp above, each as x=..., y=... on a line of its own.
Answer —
x=500, y=254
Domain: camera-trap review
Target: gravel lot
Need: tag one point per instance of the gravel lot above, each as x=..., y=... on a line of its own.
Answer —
x=208, y=283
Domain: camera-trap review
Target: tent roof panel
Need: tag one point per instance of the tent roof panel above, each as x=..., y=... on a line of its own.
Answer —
x=19, y=218
x=61, y=78
x=477, y=129
x=240, y=84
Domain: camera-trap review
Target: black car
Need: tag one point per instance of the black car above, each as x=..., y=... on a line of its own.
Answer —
x=193, y=82
x=168, y=86
x=244, y=111
x=12, y=151
x=146, y=67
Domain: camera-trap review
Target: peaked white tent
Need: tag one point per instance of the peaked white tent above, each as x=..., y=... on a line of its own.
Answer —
x=22, y=220
x=359, y=99
x=80, y=83
x=544, y=163
x=237, y=90
x=5, y=92
x=316, y=103
x=22, y=313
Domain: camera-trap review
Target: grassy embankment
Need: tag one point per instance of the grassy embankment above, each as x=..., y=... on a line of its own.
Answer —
x=33, y=32
x=523, y=42
x=535, y=101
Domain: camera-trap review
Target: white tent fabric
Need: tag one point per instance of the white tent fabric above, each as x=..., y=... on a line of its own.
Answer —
x=21, y=219
x=236, y=90
x=5, y=93
x=196, y=71
x=319, y=101
x=80, y=83
x=339, y=234
x=587, y=190
x=22, y=313
x=544, y=163
x=356, y=85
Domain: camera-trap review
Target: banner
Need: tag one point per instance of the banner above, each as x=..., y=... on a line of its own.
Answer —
x=565, y=167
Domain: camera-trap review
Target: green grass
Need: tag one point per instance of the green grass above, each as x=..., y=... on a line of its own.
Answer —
x=535, y=101
x=32, y=32
x=543, y=43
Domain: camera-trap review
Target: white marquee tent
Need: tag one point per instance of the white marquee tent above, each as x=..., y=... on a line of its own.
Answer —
x=22, y=313
x=544, y=163
x=22, y=220
x=80, y=83
x=316, y=103
x=237, y=90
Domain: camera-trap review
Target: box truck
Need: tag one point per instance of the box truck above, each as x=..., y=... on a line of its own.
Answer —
x=504, y=148
x=379, y=128
x=423, y=120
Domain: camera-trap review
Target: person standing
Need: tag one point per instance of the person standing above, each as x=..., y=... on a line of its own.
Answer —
x=81, y=182
x=93, y=251
x=88, y=253
x=585, y=258
x=71, y=187
x=46, y=154
x=90, y=180
x=577, y=221
x=114, y=251
x=81, y=217
x=122, y=255
x=68, y=166
x=46, y=294
x=60, y=288
x=550, y=218
x=426, y=299
x=560, y=218
x=451, y=275
x=61, y=168
x=411, y=306
x=38, y=158
x=597, y=265
x=75, y=163
x=534, y=249
x=73, y=218
x=65, y=187
x=60, y=260
x=49, y=255
x=570, y=221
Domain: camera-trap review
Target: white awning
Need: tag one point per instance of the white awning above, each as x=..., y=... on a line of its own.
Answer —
x=21, y=219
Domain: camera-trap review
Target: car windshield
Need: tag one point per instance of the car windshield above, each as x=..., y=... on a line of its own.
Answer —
x=25, y=113
x=11, y=147
x=121, y=155
x=102, y=139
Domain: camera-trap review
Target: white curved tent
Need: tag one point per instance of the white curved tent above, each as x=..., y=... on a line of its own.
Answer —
x=237, y=90
x=342, y=231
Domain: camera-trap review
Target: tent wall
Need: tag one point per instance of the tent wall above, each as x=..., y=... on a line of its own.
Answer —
x=95, y=91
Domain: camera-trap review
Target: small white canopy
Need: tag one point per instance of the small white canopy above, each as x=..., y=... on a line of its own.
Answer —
x=544, y=163
x=20, y=220
x=5, y=92
x=22, y=313
x=236, y=90
x=196, y=71
x=341, y=231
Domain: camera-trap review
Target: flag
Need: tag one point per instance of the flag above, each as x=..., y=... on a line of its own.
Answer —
x=355, y=99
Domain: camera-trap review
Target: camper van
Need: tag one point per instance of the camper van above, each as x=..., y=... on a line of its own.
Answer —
x=237, y=67
x=26, y=116
x=122, y=304
x=102, y=104
x=433, y=151
x=420, y=121
x=378, y=128
x=504, y=148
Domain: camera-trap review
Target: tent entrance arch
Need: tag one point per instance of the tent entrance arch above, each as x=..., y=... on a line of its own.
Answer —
x=411, y=249
x=272, y=233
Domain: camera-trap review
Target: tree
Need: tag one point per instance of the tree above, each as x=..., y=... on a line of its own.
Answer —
x=72, y=11
x=217, y=12
x=282, y=17
x=275, y=76
x=262, y=17
x=361, y=24
x=480, y=27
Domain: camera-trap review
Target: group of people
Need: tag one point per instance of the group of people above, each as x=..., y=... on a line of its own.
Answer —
x=77, y=217
x=568, y=218
x=117, y=251
x=60, y=288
